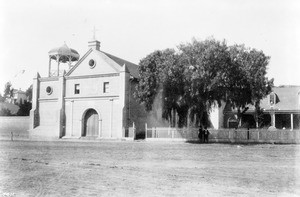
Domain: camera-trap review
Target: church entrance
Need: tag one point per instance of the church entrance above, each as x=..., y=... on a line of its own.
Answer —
x=91, y=123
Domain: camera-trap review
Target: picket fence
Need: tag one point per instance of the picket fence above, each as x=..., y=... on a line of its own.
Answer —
x=223, y=135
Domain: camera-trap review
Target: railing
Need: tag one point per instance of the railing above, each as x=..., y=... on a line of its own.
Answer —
x=130, y=132
x=168, y=132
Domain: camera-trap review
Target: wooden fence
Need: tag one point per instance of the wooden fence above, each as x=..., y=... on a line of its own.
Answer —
x=224, y=135
x=129, y=132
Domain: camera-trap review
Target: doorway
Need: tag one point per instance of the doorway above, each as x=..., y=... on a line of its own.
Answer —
x=91, y=123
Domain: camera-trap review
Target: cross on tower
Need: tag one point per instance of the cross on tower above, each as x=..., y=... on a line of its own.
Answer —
x=94, y=33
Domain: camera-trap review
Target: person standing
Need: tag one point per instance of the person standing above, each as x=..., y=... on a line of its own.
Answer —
x=206, y=134
x=200, y=134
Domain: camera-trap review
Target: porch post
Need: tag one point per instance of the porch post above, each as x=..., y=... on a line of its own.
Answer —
x=273, y=121
x=292, y=122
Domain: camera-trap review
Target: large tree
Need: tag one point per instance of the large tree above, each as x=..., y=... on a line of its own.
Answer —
x=161, y=70
x=200, y=75
x=205, y=64
x=248, y=84
x=149, y=80
x=24, y=109
x=29, y=93
x=8, y=90
x=2, y=99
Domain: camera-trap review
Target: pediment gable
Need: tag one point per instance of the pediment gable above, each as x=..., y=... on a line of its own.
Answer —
x=94, y=63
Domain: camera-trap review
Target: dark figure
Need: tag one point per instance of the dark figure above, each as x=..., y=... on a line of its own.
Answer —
x=206, y=134
x=200, y=134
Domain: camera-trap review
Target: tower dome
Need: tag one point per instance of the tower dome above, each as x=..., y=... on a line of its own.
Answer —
x=62, y=54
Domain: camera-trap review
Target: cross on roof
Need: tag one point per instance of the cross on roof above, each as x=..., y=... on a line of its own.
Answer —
x=94, y=33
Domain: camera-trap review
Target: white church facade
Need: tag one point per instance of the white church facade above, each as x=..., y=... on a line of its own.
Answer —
x=90, y=99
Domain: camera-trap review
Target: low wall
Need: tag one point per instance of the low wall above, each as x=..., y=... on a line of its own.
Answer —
x=15, y=127
x=225, y=135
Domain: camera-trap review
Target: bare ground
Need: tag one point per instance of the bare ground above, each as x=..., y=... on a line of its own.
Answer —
x=64, y=168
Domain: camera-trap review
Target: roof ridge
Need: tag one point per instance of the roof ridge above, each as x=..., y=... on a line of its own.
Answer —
x=118, y=57
x=132, y=67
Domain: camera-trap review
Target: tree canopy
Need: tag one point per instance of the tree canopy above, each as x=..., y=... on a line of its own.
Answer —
x=8, y=90
x=202, y=74
x=29, y=93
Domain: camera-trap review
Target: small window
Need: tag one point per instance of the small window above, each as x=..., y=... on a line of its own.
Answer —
x=105, y=87
x=92, y=63
x=49, y=90
x=77, y=90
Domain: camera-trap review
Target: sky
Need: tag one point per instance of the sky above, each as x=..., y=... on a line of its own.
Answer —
x=132, y=29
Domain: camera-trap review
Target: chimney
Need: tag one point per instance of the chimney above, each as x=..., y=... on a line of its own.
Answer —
x=95, y=44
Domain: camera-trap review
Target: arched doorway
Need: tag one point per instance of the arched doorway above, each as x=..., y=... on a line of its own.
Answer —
x=91, y=123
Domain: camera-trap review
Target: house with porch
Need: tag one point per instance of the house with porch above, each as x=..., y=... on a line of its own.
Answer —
x=280, y=110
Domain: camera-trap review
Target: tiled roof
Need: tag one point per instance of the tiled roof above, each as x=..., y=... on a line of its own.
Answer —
x=133, y=68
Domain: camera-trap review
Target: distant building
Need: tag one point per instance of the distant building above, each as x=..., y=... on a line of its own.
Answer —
x=19, y=97
x=281, y=110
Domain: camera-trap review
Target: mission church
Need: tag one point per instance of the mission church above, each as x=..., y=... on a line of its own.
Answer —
x=90, y=98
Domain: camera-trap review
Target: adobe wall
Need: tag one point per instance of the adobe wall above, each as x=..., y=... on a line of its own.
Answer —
x=14, y=126
x=107, y=109
x=92, y=87
x=48, y=108
x=92, y=96
x=140, y=116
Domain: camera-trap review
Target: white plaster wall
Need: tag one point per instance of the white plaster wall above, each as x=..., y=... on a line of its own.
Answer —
x=103, y=65
x=91, y=96
x=214, y=117
x=92, y=87
x=44, y=84
x=48, y=113
x=106, y=109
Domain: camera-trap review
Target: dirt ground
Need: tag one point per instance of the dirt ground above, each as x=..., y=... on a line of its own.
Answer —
x=139, y=168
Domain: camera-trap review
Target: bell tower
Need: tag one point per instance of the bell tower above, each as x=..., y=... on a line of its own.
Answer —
x=62, y=54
